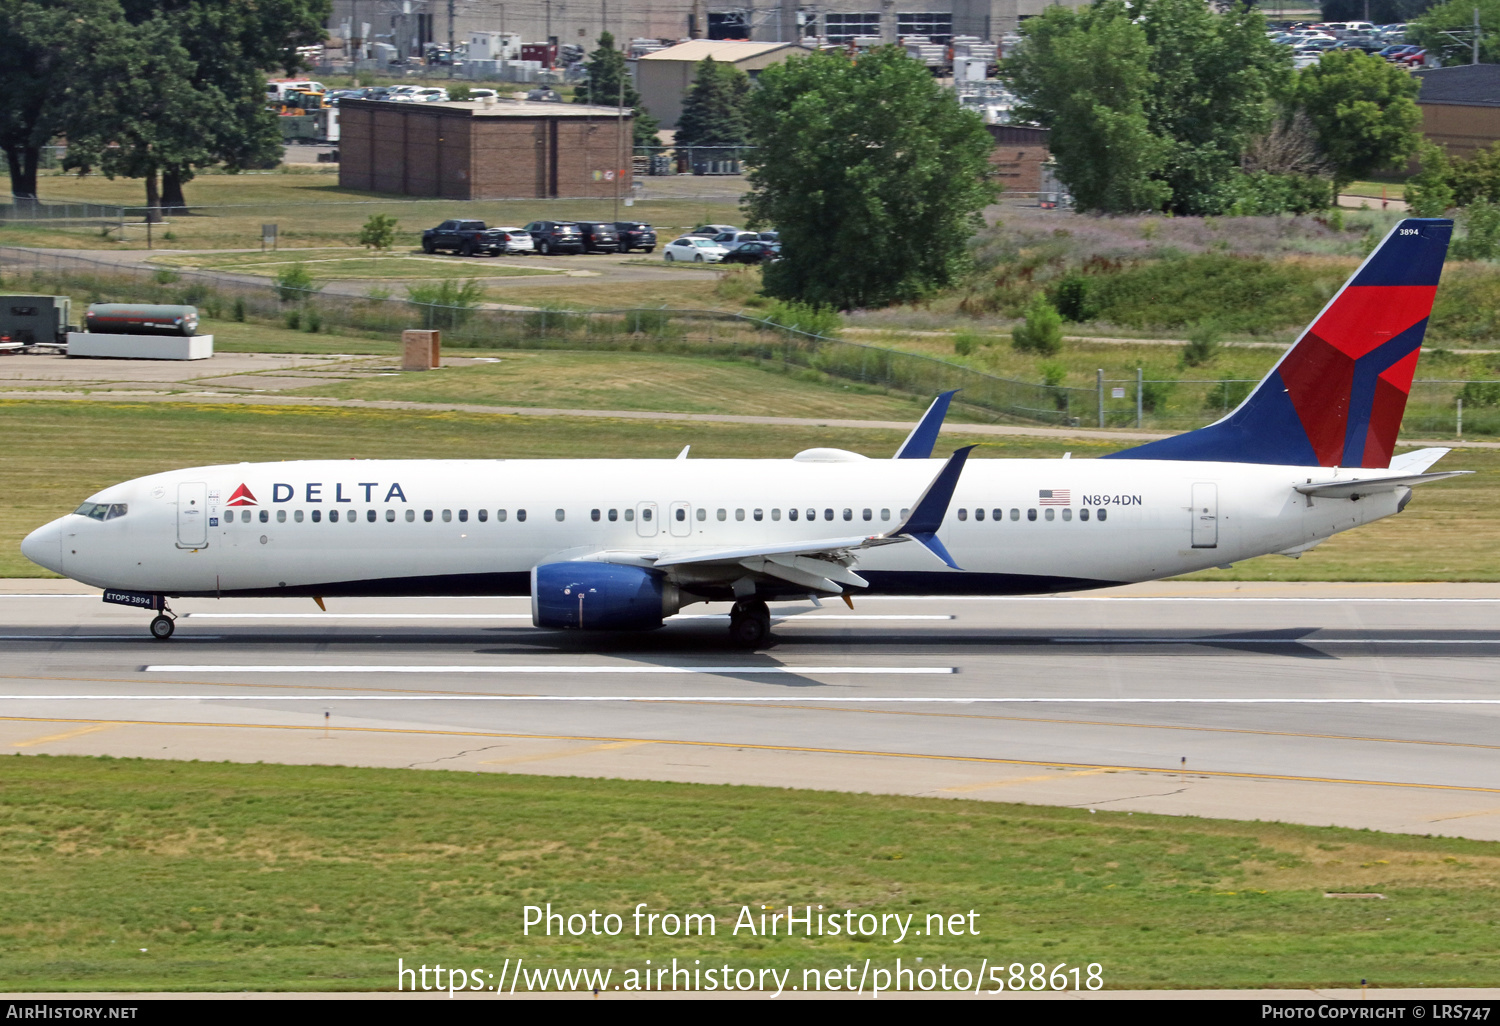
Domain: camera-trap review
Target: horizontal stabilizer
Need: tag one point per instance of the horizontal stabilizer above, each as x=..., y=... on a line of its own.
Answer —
x=1417, y=461
x=1371, y=485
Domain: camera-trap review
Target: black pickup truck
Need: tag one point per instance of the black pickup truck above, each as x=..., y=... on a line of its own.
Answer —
x=466, y=238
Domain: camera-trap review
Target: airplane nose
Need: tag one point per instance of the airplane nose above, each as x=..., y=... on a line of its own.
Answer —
x=44, y=546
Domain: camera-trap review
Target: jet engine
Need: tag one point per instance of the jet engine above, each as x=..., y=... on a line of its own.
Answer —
x=601, y=597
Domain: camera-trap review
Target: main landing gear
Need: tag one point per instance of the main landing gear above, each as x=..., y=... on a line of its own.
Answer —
x=164, y=624
x=750, y=623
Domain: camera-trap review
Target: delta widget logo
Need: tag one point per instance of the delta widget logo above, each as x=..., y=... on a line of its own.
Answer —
x=242, y=497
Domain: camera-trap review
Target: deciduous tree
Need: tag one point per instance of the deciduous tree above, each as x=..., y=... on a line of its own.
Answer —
x=871, y=172
x=1363, y=109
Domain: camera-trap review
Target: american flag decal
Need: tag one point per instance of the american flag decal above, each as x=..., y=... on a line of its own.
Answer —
x=1054, y=497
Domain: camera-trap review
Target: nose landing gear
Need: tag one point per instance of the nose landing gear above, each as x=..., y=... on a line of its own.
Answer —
x=750, y=623
x=164, y=624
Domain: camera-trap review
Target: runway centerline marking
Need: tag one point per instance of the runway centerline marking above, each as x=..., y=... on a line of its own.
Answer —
x=1166, y=771
x=810, y=671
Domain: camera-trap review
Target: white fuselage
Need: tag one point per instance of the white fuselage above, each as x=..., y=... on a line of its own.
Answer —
x=436, y=527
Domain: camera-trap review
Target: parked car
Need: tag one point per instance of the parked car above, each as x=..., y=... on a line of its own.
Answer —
x=756, y=252
x=771, y=236
x=466, y=238
x=729, y=240
x=710, y=230
x=599, y=236
x=556, y=237
x=430, y=94
x=517, y=240
x=635, y=235
x=695, y=249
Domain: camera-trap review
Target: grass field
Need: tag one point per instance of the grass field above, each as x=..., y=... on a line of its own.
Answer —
x=310, y=209
x=330, y=264
x=143, y=875
x=1450, y=532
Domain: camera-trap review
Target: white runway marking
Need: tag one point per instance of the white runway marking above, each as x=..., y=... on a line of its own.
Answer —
x=1231, y=640
x=790, y=618
x=757, y=699
x=1157, y=598
x=101, y=637
x=315, y=668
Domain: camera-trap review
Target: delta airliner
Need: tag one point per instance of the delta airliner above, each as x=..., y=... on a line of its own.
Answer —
x=621, y=544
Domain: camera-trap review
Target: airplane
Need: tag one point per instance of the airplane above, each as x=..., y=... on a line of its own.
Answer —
x=621, y=544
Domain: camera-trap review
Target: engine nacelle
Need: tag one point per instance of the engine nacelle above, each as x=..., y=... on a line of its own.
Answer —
x=600, y=597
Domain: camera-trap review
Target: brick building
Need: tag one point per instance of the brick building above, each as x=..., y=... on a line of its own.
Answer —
x=1460, y=107
x=509, y=149
x=1018, y=156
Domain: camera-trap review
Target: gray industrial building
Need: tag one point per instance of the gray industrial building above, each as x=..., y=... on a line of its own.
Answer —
x=581, y=21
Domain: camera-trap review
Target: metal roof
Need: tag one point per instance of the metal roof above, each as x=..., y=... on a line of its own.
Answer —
x=694, y=50
x=501, y=108
x=1467, y=85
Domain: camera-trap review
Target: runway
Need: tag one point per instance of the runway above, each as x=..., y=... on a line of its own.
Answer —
x=1358, y=705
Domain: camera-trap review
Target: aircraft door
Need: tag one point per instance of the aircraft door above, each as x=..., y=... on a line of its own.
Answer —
x=681, y=522
x=645, y=519
x=192, y=515
x=1205, y=514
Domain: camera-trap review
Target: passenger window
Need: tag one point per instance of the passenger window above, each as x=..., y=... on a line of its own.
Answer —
x=812, y=514
x=775, y=514
x=996, y=514
x=1083, y=514
x=1015, y=514
x=1031, y=514
x=614, y=515
x=905, y=513
x=979, y=514
x=646, y=513
x=521, y=515
x=885, y=514
x=869, y=514
x=681, y=514
x=791, y=514
x=370, y=516
x=629, y=515
x=265, y=516
x=390, y=516
x=759, y=514
x=317, y=515
x=963, y=514
x=500, y=516
x=723, y=514
x=1067, y=514
x=594, y=515
x=828, y=514
x=739, y=514
x=350, y=516
x=297, y=516
x=447, y=516
x=560, y=515
x=848, y=513
x=333, y=516
x=281, y=516
x=427, y=515
x=482, y=514
x=411, y=515
x=702, y=514
x=1103, y=515
x=1051, y=513
x=463, y=516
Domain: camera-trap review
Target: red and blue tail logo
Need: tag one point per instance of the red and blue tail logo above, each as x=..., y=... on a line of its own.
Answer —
x=1336, y=398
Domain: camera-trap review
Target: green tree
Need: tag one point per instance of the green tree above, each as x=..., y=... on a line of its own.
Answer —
x=1429, y=192
x=1476, y=177
x=1214, y=76
x=872, y=174
x=1363, y=109
x=1086, y=76
x=603, y=87
x=49, y=53
x=1458, y=16
x=1040, y=331
x=379, y=232
x=713, y=112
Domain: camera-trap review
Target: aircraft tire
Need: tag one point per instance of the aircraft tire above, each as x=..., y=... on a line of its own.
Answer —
x=750, y=624
x=162, y=628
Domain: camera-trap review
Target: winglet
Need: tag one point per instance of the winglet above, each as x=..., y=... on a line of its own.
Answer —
x=927, y=515
x=918, y=444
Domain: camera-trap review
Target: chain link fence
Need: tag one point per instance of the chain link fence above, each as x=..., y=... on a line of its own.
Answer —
x=1437, y=408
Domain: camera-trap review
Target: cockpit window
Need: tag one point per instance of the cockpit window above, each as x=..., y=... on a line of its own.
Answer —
x=102, y=510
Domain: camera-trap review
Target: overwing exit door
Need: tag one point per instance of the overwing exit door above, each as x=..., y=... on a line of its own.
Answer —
x=681, y=524
x=1205, y=516
x=645, y=519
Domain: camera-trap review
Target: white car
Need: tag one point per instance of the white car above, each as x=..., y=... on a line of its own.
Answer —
x=430, y=94
x=518, y=240
x=695, y=248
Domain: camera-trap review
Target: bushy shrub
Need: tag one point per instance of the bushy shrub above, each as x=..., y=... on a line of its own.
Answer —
x=1202, y=344
x=239, y=310
x=313, y=322
x=379, y=232
x=1041, y=330
x=446, y=303
x=1480, y=393
x=647, y=322
x=1156, y=392
x=812, y=319
x=1226, y=395
x=1071, y=297
x=458, y=92
x=967, y=343
x=294, y=319
x=165, y=277
x=1260, y=193
x=295, y=282
x=1481, y=241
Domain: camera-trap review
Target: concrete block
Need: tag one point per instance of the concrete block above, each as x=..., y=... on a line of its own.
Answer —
x=419, y=349
x=141, y=347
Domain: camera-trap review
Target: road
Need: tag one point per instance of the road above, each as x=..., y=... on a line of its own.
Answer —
x=1360, y=705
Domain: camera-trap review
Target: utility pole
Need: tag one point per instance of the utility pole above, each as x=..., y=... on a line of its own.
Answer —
x=451, y=46
x=1474, y=59
x=548, y=5
x=619, y=141
x=603, y=16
